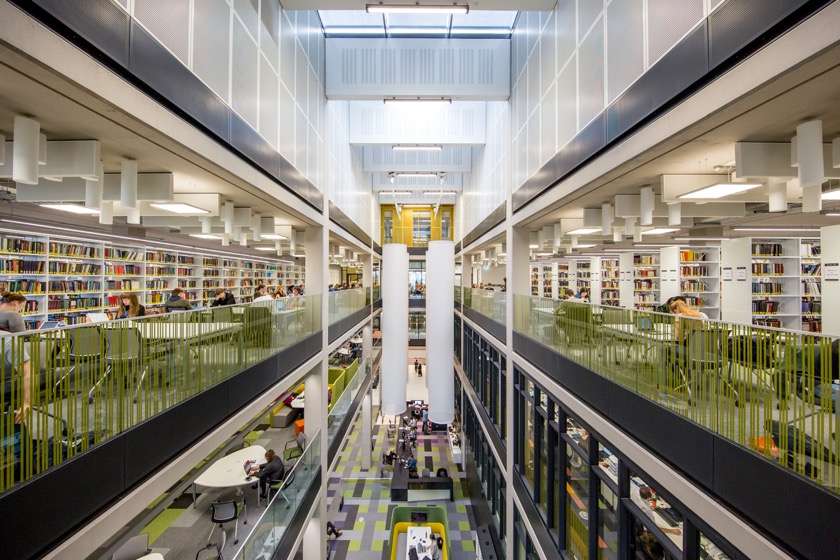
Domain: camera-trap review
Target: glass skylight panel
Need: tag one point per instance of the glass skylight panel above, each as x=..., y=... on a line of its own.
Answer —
x=351, y=22
x=483, y=24
x=417, y=24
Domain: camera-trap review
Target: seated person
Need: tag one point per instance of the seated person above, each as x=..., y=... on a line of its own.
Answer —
x=412, y=423
x=223, y=297
x=130, y=306
x=412, y=463
x=177, y=301
x=17, y=361
x=412, y=436
x=389, y=458
x=270, y=471
x=436, y=547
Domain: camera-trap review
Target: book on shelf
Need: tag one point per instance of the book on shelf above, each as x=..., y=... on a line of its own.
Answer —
x=23, y=286
x=74, y=268
x=72, y=250
x=122, y=254
x=16, y=266
x=811, y=269
x=186, y=259
x=69, y=286
x=688, y=255
x=767, y=250
x=765, y=307
x=694, y=270
x=693, y=286
x=122, y=285
x=766, y=287
x=768, y=269
x=123, y=269
x=14, y=245
x=157, y=256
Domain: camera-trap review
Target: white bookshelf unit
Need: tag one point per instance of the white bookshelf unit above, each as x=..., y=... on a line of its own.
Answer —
x=63, y=278
x=763, y=282
x=609, y=286
x=693, y=272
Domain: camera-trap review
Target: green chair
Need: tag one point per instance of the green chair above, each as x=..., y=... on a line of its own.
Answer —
x=294, y=448
x=225, y=512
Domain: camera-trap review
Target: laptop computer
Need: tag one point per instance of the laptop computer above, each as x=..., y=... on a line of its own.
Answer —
x=97, y=317
x=49, y=325
x=643, y=324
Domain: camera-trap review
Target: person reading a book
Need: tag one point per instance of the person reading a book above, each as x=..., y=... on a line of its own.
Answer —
x=177, y=301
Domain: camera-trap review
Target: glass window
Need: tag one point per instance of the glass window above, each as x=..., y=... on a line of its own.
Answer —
x=388, y=226
x=644, y=544
x=528, y=443
x=422, y=228
x=658, y=511
x=710, y=551
x=607, y=523
x=417, y=325
x=446, y=225
x=577, y=511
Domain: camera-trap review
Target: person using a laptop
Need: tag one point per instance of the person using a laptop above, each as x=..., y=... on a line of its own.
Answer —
x=177, y=301
x=271, y=470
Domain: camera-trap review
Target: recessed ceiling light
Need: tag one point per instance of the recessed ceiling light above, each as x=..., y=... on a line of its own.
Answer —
x=533, y=246
x=720, y=190
x=416, y=174
x=440, y=193
x=660, y=231
x=588, y=246
x=265, y=248
x=417, y=9
x=583, y=231
x=424, y=100
x=74, y=208
x=396, y=193
x=178, y=208
x=831, y=195
x=777, y=229
x=421, y=148
x=205, y=236
x=273, y=236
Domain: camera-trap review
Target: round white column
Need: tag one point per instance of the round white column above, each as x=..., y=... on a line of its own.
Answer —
x=394, y=328
x=440, y=331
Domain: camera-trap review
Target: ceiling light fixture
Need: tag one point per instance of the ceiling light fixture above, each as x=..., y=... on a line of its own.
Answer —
x=416, y=174
x=779, y=228
x=205, y=236
x=423, y=100
x=265, y=248
x=588, y=246
x=583, y=231
x=720, y=190
x=273, y=236
x=417, y=9
x=417, y=148
x=701, y=238
x=178, y=208
x=660, y=231
x=440, y=193
x=391, y=178
x=74, y=208
x=395, y=193
x=831, y=195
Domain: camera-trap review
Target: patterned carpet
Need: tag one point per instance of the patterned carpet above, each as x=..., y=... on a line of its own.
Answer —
x=364, y=517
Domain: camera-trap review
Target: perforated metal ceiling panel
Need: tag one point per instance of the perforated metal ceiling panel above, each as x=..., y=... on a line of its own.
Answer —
x=379, y=68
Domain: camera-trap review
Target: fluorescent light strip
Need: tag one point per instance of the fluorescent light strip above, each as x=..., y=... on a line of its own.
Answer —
x=417, y=9
x=440, y=193
x=702, y=238
x=141, y=242
x=73, y=208
x=424, y=100
x=416, y=175
x=205, y=236
x=178, y=208
x=395, y=193
x=419, y=147
x=778, y=229
x=273, y=236
x=720, y=190
x=831, y=195
x=583, y=231
x=660, y=231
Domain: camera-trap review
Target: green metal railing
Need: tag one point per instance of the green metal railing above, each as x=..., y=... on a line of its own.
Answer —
x=341, y=406
x=270, y=528
x=489, y=303
x=346, y=302
x=769, y=390
x=78, y=386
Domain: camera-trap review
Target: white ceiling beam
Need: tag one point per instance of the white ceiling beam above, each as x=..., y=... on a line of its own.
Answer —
x=773, y=159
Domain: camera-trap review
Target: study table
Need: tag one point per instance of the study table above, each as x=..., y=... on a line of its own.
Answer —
x=421, y=539
x=229, y=471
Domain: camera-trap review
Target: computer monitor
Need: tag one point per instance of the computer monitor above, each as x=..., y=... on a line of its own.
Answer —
x=419, y=516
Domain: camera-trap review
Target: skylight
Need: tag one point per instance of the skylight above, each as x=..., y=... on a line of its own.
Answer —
x=476, y=24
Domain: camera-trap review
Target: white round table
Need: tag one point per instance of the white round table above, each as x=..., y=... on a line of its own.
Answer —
x=229, y=471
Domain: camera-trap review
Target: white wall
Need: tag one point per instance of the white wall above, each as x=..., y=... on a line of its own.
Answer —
x=569, y=64
x=489, y=183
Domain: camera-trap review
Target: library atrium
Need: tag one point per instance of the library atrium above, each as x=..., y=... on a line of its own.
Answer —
x=475, y=279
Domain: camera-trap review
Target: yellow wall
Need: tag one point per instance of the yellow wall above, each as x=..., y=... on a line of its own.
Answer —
x=402, y=230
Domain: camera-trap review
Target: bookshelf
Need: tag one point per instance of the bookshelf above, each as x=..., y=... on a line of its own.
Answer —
x=64, y=279
x=583, y=275
x=646, y=294
x=610, y=289
x=779, y=286
x=694, y=272
x=563, y=279
x=547, y=279
x=535, y=280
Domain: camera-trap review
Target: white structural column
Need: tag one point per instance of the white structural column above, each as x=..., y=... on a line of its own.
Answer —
x=366, y=432
x=25, y=148
x=314, y=543
x=367, y=341
x=394, y=327
x=314, y=402
x=440, y=331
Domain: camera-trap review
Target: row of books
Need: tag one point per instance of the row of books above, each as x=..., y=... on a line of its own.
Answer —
x=69, y=286
x=644, y=298
x=810, y=250
x=767, y=322
x=811, y=287
x=74, y=303
x=645, y=273
x=14, y=245
x=644, y=259
x=609, y=284
x=767, y=249
x=644, y=285
x=23, y=286
x=609, y=295
x=182, y=271
x=122, y=254
x=124, y=285
x=30, y=307
x=184, y=259
x=765, y=306
x=211, y=273
x=811, y=324
x=21, y=266
x=694, y=270
x=690, y=256
x=695, y=301
x=211, y=262
x=124, y=269
x=160, y=257
x=811, y=307
x=160, y=271
x=768, y=269
x=811, y=269
x=74, y=268
x=767, y=287
x=157, y=284
x=72, y=250
x=182, y=283
x=693, y=286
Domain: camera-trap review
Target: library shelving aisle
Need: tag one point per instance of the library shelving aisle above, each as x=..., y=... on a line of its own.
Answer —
x=547, y=280
x=693, y=272
x=563, y=279
x=762, y=281
x=639, y=280
x=583, y=275
x=63, y=279
x=535, y=280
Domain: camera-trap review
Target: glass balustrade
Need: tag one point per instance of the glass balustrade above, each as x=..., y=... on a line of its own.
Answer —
x=769, y=390
x=68, y=389
x=285, y=503
x=489, y=303
x=457, y=294
x=340, y=404
x=344, y=303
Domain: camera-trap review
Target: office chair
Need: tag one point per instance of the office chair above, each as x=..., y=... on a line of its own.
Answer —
x=225, y=512
x=210, y=548
x=426, y=473
x=297, y=446
x=134, y=548
x=279, y=487
x=87, y=346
